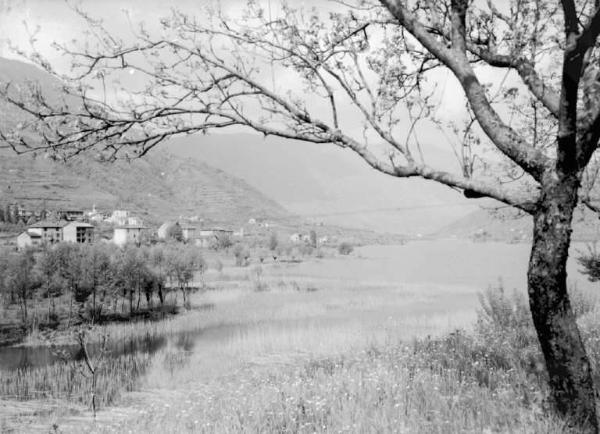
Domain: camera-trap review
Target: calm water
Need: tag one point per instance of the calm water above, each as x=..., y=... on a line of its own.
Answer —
x=452, y=262
x=462, y=266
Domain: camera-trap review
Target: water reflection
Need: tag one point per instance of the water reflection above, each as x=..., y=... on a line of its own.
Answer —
x=12, y=358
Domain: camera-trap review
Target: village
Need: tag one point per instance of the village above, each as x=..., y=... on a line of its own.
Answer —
x=122, y=228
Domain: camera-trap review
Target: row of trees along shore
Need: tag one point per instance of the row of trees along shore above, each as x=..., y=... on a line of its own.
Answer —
x=96, y=282
x=362, y=76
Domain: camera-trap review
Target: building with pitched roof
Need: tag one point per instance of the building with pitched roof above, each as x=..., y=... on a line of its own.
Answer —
x=78, y=232
x=50, y=231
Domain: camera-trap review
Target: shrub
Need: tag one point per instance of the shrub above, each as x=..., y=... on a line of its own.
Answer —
x=174, y=232
x=313, y=238
x=259, y=284
x=306, y=249
x=221, y=242
x=241, y=255
x=345, y=248
x=505, y=327
x=590, y=261
x=273, y=241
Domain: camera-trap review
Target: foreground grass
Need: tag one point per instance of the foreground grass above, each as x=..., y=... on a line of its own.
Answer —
x=291, y=318
x=432, y=386
x=332, y=361
x=488, y=380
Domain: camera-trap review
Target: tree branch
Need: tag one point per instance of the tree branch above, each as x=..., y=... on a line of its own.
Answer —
x=531, y=159
x=526, y=70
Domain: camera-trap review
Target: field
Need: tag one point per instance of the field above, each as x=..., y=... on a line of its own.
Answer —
x=268, y=349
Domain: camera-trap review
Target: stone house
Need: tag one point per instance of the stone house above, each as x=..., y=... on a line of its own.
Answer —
x=78, y=232
x=26, y=239
x=49, y=231
x=128, y=234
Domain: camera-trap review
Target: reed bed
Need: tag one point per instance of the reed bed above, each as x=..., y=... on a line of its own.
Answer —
x=70, y=381
x=487, y=380
x=448, y=385
x=286, y=370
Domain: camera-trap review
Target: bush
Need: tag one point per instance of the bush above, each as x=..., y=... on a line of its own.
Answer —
x=273, y=241
x=221, y=242
x=590, y=261
x=241, y=255
x=174, y=232
x=345, y=248
x=505, y=328
x=259, y=284
x=306, y=249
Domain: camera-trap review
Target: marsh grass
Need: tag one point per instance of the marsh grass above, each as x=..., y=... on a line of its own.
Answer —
x=69, y=381
x=446, y=385
x=335, y=360
x=490, y=379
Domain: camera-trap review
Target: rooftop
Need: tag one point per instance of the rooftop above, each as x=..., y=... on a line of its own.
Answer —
x=216, y=229
x=80, y=224
x=32, y=234
x=50, y=224
x=131, y=227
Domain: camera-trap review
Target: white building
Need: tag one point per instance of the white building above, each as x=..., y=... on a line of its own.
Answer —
x=118, y=217
x=128, y=234
x=188, y=232
x=27, y=239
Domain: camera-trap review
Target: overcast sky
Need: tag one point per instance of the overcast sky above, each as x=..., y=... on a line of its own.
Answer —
x=54, y=21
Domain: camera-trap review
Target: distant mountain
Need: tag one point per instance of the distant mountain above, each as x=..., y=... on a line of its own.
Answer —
x=327, y=184
x=508, y=225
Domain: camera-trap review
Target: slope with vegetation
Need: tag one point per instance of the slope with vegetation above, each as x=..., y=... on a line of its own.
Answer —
x=159, y=187
x=508, y=225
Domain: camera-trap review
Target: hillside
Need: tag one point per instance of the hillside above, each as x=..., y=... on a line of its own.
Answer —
x=321, y=184
x=327, y=184
x=158, y=187
x=507, y=225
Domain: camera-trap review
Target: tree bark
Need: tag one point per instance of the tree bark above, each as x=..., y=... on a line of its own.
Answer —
x=568, y=366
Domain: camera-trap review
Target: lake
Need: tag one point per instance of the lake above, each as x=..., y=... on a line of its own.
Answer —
x=441, y=262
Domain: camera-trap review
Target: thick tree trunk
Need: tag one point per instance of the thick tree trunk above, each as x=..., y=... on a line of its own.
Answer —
x=567, y=363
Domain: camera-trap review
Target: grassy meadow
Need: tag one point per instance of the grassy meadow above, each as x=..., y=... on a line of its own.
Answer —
x=259, y=352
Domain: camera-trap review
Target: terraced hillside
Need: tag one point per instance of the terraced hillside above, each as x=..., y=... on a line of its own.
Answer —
x=158, y=187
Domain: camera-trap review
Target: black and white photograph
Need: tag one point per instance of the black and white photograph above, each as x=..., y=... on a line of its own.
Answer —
x=311, y=216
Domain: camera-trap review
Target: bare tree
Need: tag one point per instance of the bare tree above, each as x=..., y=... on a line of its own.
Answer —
x=541, y=118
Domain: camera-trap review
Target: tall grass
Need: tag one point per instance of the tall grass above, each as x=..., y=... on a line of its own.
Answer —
x=70, y=381
x=447, y=385
x=489, y=380
x=314, y=376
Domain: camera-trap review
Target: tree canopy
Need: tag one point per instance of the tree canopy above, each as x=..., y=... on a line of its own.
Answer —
x=375, y=62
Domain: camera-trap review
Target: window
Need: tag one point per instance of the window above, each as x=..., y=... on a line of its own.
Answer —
x=83, y=235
